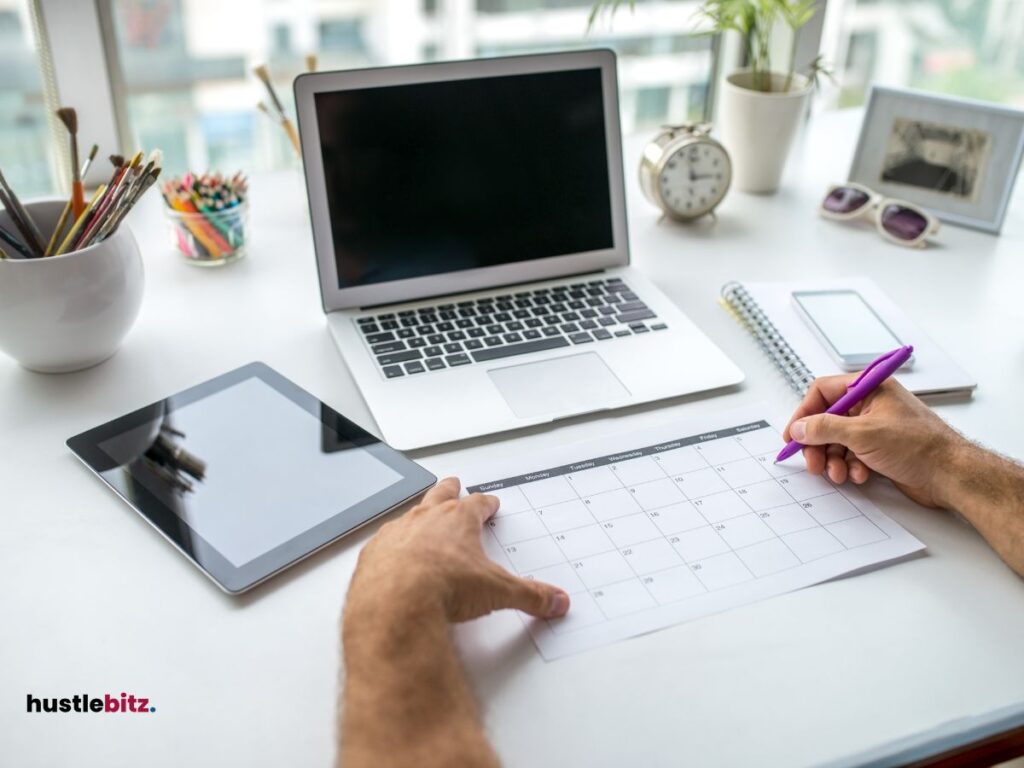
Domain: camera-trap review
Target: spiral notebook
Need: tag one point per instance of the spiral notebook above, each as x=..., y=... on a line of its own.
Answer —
x=766, y=309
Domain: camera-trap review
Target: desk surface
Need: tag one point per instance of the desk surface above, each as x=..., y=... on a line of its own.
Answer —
x=93, y=601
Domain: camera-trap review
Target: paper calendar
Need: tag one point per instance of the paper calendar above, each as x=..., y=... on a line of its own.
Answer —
x=655, y=528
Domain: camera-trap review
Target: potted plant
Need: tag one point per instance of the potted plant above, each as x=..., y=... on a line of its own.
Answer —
x=762, y=104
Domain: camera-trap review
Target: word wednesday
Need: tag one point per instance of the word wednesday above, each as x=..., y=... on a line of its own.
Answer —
x=86, y=703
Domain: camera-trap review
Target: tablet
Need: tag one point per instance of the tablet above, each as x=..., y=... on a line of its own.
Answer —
x=248, y=473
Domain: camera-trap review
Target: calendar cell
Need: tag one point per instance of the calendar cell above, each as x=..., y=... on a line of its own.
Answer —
x=788, y=519
x=721, y=450
x=581, y=542
x=510, y=501
x=676, y=518
x=744, y=531
x=531, y=555
x=743, y=472
x=813, y=544
x=721, y=506
x=562, y=575
x=674, y=585
x=857, y=531
x=721, y=571
x=598, y=570
x=703, y=482
x=761, y=441
x=791, y=467
x=612, y=504
x=764, y=495
x=830, y=508
x=649, y=556
x=630, y=530
x=568, y=514
x=583, y=612
x=681, y=460
x=802, y=486
x=699, y=543
x=596, y=480
x=551, y=490
x=767, y=557
x=658, y=493
x=512, y=528
x=635, y=471
x=623, y=598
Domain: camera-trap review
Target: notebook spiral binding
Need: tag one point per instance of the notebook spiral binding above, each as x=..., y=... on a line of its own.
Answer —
x=768, y=337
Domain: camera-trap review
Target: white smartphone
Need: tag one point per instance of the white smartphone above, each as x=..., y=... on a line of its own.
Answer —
x=852, y=332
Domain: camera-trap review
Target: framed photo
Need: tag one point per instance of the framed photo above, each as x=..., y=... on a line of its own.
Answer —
x=958, y=158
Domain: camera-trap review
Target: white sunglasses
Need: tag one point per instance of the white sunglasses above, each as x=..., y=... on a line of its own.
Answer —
x=898, y=221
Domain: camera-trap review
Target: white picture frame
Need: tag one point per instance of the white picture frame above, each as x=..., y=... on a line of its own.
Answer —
x=957, y=158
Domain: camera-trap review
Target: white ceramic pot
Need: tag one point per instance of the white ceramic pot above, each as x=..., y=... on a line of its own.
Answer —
x=758, y=128
x=65, y=313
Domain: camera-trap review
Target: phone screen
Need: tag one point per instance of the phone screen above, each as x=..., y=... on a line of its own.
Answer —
x=848, y=323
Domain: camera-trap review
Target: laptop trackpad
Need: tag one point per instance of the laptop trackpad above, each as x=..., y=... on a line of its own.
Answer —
x=564, y=385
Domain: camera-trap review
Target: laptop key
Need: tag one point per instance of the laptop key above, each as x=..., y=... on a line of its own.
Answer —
x=474, y=344
x=393, y=371
x=369, y=328
x=512, y=338
x=365, y=320
x=457, y=336
x=492, y=341
x=399, y=357
x=606, y=321
x=389, y=325
x=526, y=347
x=515, y=325
x=570, y=316
x=476, y=333
x=409, y=322
x=435, y=363
x=639, y=328
x=454, y=360
x=417, y=343
x=436, y=338
x=607, y=310
x=407, y=313
x=580, y=338
x=631, y=306
x=425, y=330
x=601, y=334
x=452, y=348
x=570, y=328
x=464, y=322
x=576, y=305
x=632, y=317
x=552, y=331
x=447, y=314
x=540, y=311
x=588, y=313
x=432, y=351
x=495, y=329
x=416, y=367
x=387, y=347
x=588, y=325
x=445, y=327
x=659, y=327
x=521, y=314
x=624, y=332
x=531, y=334
x=380, y=338
x=592, y=302
x=483, y=320
x=405, y=333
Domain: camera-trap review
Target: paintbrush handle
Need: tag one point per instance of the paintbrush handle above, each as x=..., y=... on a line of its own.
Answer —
x=292, y=134
x=61, y=222
x=77, y=199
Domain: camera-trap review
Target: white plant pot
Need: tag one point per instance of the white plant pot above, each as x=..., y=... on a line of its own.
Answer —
x=758, y=128
x=65, y=313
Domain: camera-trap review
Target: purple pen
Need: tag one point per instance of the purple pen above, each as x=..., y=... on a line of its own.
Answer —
x=870, y=379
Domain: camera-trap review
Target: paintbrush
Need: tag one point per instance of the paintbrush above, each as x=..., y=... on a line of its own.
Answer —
x=14, y=243
x=80, y=221
x=262, y=73
x=21, y=218
x=69, y=117
x=311, y=62
x=62, y=221
x=121, y=169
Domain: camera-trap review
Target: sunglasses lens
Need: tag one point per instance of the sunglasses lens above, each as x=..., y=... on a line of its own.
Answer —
x=903, y=223
x=845, y=200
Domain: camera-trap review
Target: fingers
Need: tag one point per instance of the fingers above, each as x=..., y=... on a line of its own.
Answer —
x=822, y=393
x=445, y=490
x=835, y=464
x=533, y=597
x=859, y=472
x=814, y=456
x=825, y=428
x=481, y=506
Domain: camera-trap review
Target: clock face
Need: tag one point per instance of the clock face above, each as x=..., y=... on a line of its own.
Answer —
x=694, y=179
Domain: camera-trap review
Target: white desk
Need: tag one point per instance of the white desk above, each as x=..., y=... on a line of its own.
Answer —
x=93, y=600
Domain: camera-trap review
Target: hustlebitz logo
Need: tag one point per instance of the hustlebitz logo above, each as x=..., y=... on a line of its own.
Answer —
x=126, y=703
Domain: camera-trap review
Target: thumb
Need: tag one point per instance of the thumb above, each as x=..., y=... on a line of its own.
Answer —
x=825, y=428
x=534, y=597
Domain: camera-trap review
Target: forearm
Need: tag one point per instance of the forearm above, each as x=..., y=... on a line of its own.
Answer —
x=406, y=699
x=988, y=490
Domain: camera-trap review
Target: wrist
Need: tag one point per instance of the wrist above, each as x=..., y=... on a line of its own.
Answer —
x=956, y=461
x=380, y=601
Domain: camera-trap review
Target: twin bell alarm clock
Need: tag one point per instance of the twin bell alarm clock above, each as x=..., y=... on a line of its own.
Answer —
x=685, y=172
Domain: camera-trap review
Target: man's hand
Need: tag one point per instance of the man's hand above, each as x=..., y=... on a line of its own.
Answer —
x=890, y=432
x=432, y=556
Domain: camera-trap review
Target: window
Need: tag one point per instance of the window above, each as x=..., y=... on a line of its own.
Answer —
x=26, y=145
x=186, y=65
x=972, y=48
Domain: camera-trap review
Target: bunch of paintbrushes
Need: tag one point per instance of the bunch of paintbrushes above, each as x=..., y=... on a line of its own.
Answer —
x=209, y=213
x=276, y=109
x=81, y=223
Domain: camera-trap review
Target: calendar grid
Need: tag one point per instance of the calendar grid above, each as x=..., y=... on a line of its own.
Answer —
x=625, y=489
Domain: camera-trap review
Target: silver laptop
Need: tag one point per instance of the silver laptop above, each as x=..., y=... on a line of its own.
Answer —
x=469, y=220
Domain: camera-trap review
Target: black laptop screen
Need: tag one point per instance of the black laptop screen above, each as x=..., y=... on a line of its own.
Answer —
x=438, y=177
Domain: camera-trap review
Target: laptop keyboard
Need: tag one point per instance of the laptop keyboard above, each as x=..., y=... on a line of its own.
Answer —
x=449, y=335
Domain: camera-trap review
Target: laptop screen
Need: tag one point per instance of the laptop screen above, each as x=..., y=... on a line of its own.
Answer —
x=438, y=177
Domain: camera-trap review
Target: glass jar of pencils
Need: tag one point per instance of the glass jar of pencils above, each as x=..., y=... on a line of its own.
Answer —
x=206, y=230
